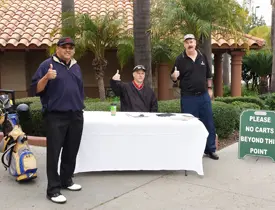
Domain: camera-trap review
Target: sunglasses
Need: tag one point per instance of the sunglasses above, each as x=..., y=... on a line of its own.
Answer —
x=139, y=67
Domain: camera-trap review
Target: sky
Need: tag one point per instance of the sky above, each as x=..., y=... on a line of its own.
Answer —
x=264, y=9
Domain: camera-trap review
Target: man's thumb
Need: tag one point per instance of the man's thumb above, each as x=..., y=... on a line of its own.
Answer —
x=117, y=71
x=51, y=66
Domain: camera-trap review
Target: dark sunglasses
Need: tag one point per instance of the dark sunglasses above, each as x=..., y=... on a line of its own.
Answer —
x=139, y=67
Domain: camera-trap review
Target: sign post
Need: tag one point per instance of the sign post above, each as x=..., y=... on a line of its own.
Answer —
x=257, y=134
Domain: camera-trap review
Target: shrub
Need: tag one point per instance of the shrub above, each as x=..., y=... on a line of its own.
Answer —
x=225, y=117
x=171, y=106
x=28, y=100
x=240, y=107
x=226, y=91
x=254, y=100
x=270, y=101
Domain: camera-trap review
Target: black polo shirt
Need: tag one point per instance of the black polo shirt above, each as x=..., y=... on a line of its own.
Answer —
x=193, y=74
x=66, y=91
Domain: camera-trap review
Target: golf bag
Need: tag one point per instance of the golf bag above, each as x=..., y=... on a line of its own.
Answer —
x=17, y=157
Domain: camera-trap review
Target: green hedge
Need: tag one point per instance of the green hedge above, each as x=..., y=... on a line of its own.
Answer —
x=226, y=116
x=269, y=100
x=254, y=100
x=240, y=107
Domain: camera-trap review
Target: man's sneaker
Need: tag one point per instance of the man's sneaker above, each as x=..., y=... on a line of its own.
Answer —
x=73, y=187
x=57, y=198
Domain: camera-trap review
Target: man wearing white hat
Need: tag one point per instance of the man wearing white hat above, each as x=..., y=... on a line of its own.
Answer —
x=192, y=70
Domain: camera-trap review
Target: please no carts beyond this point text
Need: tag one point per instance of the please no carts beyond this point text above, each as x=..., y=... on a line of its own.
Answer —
x=257, y=134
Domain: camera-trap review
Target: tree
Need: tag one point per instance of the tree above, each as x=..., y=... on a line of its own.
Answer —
x=263, y=32
x=68, y=14
x=97, y=35
x=191, y=16
x=260, y=63
x=272, y=89
x=254, y=21
x=142, y=42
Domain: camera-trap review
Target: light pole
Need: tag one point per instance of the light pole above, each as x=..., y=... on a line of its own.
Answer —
x=256, y=10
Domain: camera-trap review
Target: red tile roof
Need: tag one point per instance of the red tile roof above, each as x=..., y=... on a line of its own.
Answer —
x=29, y=23
x=220, y=41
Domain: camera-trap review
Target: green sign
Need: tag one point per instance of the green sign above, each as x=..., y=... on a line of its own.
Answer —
x=257, y=134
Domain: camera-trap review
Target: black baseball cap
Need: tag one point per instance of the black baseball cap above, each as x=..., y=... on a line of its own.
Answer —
x=65, y=40
x=139, y=67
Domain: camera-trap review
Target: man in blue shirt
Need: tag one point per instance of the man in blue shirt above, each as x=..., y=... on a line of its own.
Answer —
x=58, y=82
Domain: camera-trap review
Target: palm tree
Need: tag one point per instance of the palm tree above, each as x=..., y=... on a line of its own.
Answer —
x=125, y=50
x=260, y=63
x=68, y=13
x=97, y=35
x=204, y=17
x=142, y=42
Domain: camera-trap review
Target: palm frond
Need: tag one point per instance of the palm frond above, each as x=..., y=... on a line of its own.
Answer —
x=125, y=50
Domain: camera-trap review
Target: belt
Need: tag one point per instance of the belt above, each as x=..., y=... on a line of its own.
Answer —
x=192, y=93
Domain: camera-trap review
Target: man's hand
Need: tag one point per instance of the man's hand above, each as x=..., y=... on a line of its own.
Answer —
x=116, y=76
x=51, y=74
x=210, y=92
x=175, y=74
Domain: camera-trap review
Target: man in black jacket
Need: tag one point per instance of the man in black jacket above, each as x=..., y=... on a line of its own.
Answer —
x=134, y=95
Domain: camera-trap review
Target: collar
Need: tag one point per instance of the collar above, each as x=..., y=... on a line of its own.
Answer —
x=58, y=60
x=137, y=86
x=185, y=55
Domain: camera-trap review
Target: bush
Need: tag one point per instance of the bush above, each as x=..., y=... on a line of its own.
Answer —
x=225, y=117
x=270, y=101
x=254, y=100
x=27, y=101
x=171, y=106
x=240, y=107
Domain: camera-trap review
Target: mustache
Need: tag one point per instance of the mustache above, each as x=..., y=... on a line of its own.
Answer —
x=190, y=47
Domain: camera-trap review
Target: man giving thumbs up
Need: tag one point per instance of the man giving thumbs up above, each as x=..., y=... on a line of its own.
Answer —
x=58, y=82
x=134, y=95
x=116, y=77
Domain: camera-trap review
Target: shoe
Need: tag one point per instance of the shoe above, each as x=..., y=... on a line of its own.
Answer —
x=213, y=155
x=73, y=187
x=57, y=198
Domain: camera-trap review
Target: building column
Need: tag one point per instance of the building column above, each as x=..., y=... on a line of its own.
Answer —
x=163, y=81
x=236, y=73
x=218, y=78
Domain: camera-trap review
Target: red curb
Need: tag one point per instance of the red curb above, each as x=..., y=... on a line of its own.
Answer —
x=34, y=140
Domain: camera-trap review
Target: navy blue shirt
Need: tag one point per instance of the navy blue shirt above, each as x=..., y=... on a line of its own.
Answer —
x=66, y=91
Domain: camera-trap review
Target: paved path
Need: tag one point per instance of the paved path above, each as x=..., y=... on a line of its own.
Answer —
x=229, y=183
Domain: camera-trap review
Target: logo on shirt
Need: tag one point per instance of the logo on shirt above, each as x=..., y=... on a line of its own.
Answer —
x=202, y=63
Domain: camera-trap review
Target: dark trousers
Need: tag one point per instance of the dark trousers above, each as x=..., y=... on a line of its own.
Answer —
x=64, y=130
x=200, y=106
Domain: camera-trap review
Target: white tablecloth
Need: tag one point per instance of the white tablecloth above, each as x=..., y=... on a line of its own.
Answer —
x=123, y=142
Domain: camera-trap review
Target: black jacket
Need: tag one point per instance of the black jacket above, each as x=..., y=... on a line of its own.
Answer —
x=134, y=100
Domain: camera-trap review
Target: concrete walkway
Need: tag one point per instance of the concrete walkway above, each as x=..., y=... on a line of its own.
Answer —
x=229, y=183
